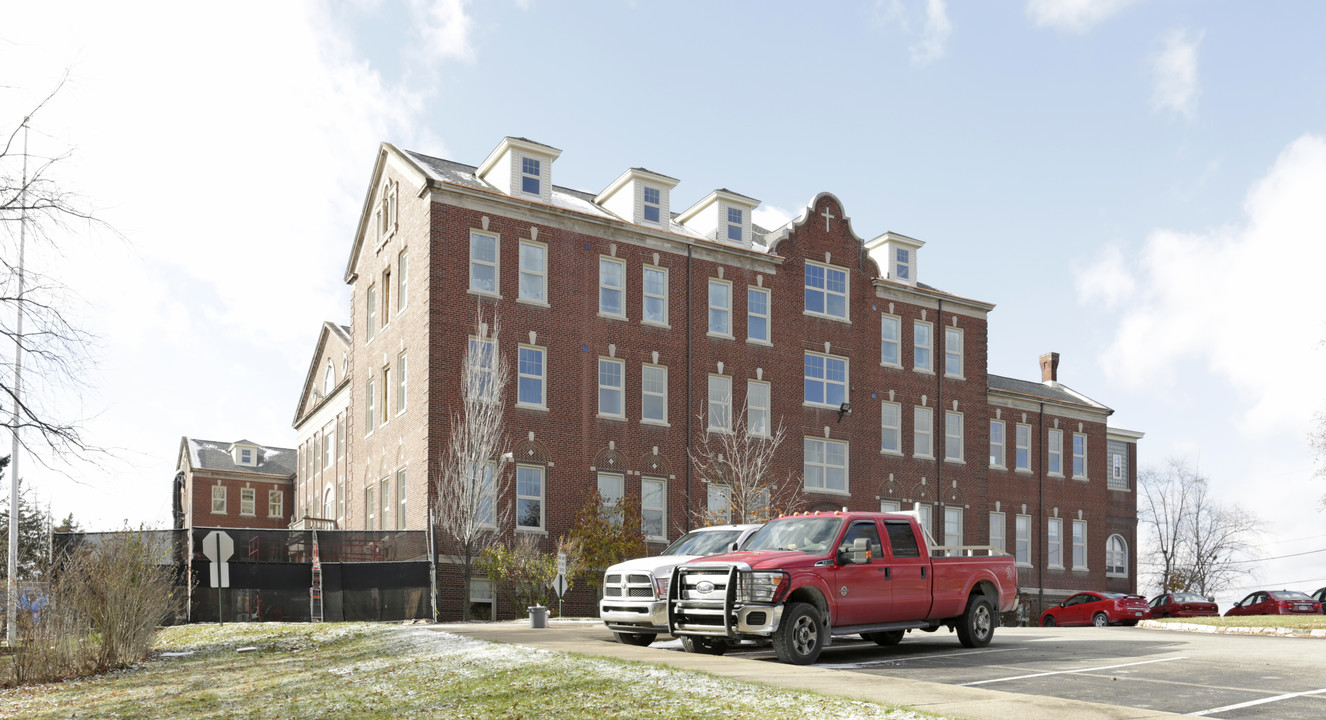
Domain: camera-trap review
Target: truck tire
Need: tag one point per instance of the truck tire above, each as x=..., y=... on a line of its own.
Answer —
x=637, y=639
x=703, y=645
x=976, y=626
x=801, y=635
x=887, y=638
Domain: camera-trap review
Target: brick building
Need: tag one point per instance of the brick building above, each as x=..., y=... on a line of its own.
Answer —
x=633, y=329
x=321, y=418
x=237, y=484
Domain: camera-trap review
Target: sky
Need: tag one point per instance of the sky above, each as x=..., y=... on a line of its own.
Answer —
x=1135, y=184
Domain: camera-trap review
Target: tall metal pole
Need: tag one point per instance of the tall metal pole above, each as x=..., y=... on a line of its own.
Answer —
x=11, y=636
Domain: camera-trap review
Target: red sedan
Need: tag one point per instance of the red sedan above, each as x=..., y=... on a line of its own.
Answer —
x=1099, y=609
x=1183, y=604
x=1276, y=602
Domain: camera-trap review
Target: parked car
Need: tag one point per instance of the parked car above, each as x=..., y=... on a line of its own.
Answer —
x=1182, y=604
x=1099, y=609
x=635, y=592
x=1276, y=602
x=1320, y=596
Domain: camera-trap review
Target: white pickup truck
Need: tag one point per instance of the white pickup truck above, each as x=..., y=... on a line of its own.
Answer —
x=635, y=592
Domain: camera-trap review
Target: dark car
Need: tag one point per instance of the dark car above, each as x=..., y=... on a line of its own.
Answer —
x=1276, y=602
x=1097, y=608
x=1182, y=604
x=1320, y=596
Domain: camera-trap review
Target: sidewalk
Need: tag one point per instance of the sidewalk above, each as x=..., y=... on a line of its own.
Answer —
x=591, y=638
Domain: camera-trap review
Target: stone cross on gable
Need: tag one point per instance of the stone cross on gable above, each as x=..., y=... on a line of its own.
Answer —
x=827, y=217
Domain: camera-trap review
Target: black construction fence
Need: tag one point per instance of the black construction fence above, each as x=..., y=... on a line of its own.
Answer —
x=365, y=575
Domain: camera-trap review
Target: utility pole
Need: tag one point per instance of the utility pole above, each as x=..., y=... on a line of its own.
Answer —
x=11, y=604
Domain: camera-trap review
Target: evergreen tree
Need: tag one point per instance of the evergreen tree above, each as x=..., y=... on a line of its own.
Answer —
x=32, y=534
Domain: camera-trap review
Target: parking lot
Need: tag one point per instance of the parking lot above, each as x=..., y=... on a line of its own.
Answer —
x=1208, y=675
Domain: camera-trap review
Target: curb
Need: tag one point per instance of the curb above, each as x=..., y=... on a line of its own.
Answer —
x=1218, y=629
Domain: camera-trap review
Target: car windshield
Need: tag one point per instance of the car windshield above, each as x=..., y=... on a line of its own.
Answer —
x=1188, y=597
x=1290, y=595
x=704, y=542
x=811, y=535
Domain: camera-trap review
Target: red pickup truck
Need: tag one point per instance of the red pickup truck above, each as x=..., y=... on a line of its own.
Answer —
x=805, y=579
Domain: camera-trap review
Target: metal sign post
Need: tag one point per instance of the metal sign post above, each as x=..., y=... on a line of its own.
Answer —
x=219, y=547
x=559, y=583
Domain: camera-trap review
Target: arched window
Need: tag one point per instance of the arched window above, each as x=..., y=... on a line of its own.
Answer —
x=329, y=503
x=329, y=380
x=1116, y=557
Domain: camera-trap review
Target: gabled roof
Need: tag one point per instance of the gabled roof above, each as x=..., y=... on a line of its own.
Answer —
x=215, y=455
x=330, y=332
x=1047, y=392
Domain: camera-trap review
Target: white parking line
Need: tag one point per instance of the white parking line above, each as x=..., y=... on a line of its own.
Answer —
x=1263, y=701
x=896, y=660
x=1069, y=672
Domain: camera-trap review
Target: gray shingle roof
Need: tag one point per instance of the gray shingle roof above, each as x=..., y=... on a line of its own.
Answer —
x=1056, y=393
x=215, y=455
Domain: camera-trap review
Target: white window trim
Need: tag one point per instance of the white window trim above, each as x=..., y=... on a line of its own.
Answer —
x=1016, y=446
x=645, y=393
x=645, y=204
x=489, y=467
x=496, y=292
x=897, y=341
x=961, y=353
x=401, y=497
x=1002, y=519
x=543, y=379
x=542, y=527
x=251, y=501
x=1084, y=545
x=929, y=367
x=371, y=313
x=1017, y=540
x=897, y=429
x=1084, y=476
x=724, y=404
x=370, y=406
x=847, y=467
x=275, y=498
x=402, y=382
x=1127, y=561
x=222, y=498
x=542, y=275
x=644, y=294
x=621, y=481
x=538, y=176
x=767, y=409
x=929, y=454
x=724, y=513
x=846, y=294
x=961, y=458
x=999, y=462
x=621, y=290
x=621, y=389
x=846, y=383
x=663, y=509
x=1052, y=453
x=768, y=315
x=386, y=394
x=962, y=530
x=709, y=300
x=1051, y=544
x=402, y=279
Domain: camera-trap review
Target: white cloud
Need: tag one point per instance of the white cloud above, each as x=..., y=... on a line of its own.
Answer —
x=934, y=34
x=1074, y=15
x=1174, y=74
x=770, y=217
x=443, y=29
x=1105, y=280
x=1245, y=304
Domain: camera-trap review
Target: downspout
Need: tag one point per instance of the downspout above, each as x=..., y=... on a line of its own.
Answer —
x=942, y=420
x=686, y=521
x=1040, y=512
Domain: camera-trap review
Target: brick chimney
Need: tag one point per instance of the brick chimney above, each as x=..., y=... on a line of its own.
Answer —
x=1050, y=367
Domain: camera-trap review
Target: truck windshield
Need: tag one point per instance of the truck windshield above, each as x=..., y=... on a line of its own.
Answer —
x=810, y=535
x=703, y=542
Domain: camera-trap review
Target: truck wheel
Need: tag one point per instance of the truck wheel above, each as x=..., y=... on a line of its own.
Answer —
x=1099, y=620
x=801, y=635
x=703, y=645
x=637, y=639
x=886, y=638
x=976, y=626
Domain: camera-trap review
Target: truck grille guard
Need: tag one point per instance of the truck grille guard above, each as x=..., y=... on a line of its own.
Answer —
x=704, y=598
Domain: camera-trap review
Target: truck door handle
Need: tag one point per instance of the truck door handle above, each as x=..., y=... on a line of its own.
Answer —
x=888, y=574
x=922, y=571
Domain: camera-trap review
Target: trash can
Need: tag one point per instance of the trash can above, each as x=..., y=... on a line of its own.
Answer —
x=538, y=616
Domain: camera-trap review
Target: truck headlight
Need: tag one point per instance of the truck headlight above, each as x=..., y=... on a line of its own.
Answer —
x=760, y=587
x=661, y=587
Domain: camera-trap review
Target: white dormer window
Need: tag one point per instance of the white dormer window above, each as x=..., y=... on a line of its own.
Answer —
x=652, y=203
x=246, y=455
x=896, y=256
x=722, y=216
x=529, y=175
x=902, y=263
x=734, y=222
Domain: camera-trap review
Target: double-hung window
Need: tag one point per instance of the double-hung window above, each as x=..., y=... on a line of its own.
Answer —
x=611, y=384
x=483, y=262
x=654, y=394
x=402, y=280
x=654, y=507
x=825, y=465
x=533, y=272
x=953, y=437
x=483, y=486
x=370, y=406
x=757, y=314
x=998, y=531
x=531, y=373
x=891, y=428
x=402, y=386
x=653, y=202
x=371, y=319
x=386, y=394
x=1023, y=448
x=718, y=503
x=612, y=287
x=953, y=352
x=923, y=432
x=1054, y=543
x=655, y=296
x=1056, y=464
x=248, y=501
x=890, y=334
x=219, y=499
x=529, y=497
x=902, y=263
x=386, y=297
x=481, y=363
x=1079, y=545
x=825, y=380
x=1080, y=456
x=997, y=443
x=826, y=290
x=758, y=408
x=735, y=220
x=720, y=307
x=1022, y=540
x=952, y=526
x=400, y=499
x=612, y=488
x=922, y=342
x=530, y=169
x=275, y=503
x=720, y=403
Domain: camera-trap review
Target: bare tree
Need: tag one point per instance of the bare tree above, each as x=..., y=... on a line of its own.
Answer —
x=1197, y=544
x=736, y=458
x=471, y=480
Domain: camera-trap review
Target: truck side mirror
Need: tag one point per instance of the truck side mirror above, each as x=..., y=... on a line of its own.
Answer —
x=733, y=547
x=860, y=551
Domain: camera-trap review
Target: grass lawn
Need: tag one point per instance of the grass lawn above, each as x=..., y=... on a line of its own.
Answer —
x=358, y=670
